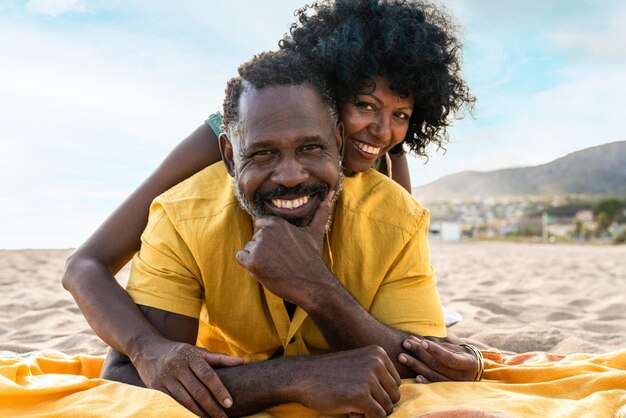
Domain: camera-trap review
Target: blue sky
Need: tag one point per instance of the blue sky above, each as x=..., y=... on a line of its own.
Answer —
x=94, y=94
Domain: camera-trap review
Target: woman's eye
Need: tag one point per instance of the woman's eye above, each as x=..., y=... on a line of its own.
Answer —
x=365, y=105
x=403, y=116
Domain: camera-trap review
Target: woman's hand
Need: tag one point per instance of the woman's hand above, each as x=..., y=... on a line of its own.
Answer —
x=185, y=372
x=439, y=362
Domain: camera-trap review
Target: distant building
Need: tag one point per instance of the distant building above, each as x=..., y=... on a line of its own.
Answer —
x=585, y=216
x=445, y=231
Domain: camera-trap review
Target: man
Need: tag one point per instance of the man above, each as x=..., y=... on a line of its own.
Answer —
x=298, y=291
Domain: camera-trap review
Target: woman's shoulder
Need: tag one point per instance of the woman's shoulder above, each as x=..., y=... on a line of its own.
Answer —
x=214, y=121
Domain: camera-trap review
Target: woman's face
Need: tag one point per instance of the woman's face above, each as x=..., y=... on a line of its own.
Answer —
x=374, y=122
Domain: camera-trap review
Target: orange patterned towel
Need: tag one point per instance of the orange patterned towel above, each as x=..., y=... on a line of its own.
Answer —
x=524, y=385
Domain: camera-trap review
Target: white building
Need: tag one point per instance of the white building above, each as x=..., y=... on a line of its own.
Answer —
x=445, y=231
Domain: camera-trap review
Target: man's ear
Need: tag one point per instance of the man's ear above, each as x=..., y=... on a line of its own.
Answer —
x=339, y=139
x=226, y=149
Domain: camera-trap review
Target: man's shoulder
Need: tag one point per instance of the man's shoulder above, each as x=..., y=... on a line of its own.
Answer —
x=204, y=194
x=382, y=200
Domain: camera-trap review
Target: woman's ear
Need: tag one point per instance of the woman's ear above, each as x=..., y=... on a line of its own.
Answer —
x=226, y=149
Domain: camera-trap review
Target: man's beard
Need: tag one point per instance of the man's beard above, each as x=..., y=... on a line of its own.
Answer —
x=256, y=207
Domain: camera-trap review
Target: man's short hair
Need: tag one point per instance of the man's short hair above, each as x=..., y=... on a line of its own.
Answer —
x=269, y=69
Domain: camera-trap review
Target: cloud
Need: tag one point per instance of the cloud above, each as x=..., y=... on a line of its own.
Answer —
x=584, y=111
x=80, y=116
x=548, y=83
x=90, y=106
x=602, y=41
x=54, y=8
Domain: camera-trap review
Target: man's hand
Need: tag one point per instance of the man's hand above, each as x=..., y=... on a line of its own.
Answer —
x=184, y=372
x=286, y=259
x=438, y=362
x=361, y=381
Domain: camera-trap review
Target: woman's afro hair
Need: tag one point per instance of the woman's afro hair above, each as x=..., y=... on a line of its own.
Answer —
x=412, y=43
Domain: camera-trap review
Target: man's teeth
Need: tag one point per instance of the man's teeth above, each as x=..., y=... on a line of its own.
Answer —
x=367, y=148
x=290, y=204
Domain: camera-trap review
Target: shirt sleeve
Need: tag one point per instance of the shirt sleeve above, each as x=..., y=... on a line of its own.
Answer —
x=407, y=298
x=164, y=274
x=215, y=123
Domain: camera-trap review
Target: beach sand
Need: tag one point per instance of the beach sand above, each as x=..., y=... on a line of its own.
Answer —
x=514, y=297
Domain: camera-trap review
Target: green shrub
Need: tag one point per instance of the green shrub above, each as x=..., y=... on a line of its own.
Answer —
x=620, y=238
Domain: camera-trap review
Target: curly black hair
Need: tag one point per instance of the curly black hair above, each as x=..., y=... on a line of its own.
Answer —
x=276, y=68
x=412, y=43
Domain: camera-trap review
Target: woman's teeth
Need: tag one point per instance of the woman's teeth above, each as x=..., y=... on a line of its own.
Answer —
x=367, y=148
x=290, y=204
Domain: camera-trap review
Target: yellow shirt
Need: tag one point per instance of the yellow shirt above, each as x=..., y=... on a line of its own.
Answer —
x=377, y=248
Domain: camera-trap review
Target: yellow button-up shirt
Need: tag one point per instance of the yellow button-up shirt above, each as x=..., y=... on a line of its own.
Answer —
x=377, y=248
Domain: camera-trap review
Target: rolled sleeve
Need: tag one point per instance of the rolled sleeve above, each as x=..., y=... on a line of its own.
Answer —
x=407, y=298
x=164, y=274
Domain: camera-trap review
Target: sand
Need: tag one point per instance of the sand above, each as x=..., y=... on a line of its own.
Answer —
x=515, y=297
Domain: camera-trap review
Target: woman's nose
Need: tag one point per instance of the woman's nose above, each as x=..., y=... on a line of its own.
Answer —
x=381, y=128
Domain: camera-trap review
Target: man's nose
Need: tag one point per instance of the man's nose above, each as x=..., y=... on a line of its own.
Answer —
x=381, y=128
x=290, y=172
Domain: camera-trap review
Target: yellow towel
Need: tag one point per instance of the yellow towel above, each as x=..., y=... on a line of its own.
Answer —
x=580, y=385
x=52, y=384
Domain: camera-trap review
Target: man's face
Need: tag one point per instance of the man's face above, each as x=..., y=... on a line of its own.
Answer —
x=286, y=159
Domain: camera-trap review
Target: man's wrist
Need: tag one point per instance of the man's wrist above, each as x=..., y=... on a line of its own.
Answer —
x=297, y=389
x=322, y=285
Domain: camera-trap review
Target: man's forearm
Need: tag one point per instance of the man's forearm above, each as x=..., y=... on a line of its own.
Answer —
x=254, y=386
x=361, y=380
x=348, y=381
x=257, y=386
x=345, y=324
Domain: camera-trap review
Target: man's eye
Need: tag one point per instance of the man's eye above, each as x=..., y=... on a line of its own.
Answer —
x=310, y=147
x=262, y=155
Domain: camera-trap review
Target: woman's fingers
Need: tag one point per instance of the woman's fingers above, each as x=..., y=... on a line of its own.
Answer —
x=177, y=391
x=454, y=360
x=437, y=363
x=421, y=368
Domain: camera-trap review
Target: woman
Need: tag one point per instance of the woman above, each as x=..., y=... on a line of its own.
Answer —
x=395, y=69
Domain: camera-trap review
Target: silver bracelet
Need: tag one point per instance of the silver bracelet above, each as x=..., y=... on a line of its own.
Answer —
x=481, y=363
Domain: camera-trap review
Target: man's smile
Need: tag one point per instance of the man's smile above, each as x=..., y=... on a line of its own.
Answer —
x=295, y=208
x=290, y=203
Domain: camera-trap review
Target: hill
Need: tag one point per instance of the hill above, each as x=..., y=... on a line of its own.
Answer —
x=599, y=170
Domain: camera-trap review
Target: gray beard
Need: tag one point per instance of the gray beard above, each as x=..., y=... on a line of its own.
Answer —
x=252, y=209
x=257, y=210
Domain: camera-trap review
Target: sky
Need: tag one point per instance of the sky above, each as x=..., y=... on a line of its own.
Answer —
x=94, y=94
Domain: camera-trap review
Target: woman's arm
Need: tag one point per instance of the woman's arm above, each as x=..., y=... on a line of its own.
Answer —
x=400, y=170
x=88, y=273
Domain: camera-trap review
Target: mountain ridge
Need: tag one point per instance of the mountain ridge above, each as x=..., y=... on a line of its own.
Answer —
x=596, y=170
